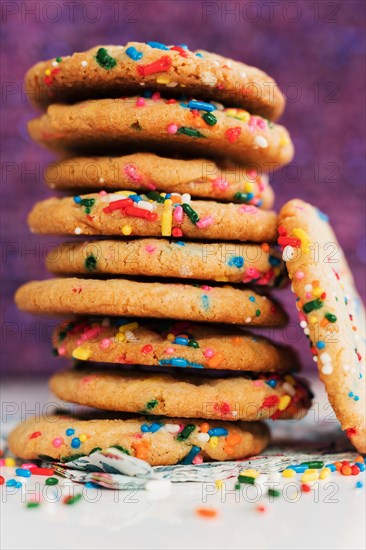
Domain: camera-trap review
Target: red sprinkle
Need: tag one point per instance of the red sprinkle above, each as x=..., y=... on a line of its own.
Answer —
x=181, y=51
x=42, y=471
x=305, y=488
x=270, y=401
x=284, y=241
x=147, y=349
x=261, y=508
x=2, y=480
x=135, y=212
x=233, y=134
x=355, y=470
x=159, y=66
x=34, y=435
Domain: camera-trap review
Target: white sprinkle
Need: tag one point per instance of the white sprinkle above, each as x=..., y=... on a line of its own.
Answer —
x=327, y=369
x=203, y=437
x=219, y=106
x=306, y=331
x=288, y=253
x=288, y=389
x=308, y=288
x=186, y=198
x=248, y=320
x=261, y=142
x=54, y=63
x=142, y=83
x=84, y=63
x=325, y=357
x=172, y=428
x=78, y=231
x=101, y=180
x=315, y=359
x=243, y=74
x=172, y=84
x=303, y=324
x=150, y=206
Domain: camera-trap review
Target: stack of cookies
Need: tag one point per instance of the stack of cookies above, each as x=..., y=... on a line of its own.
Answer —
x=183, y=259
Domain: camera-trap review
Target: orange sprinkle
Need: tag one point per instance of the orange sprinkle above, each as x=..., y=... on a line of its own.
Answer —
x=265, y=247
x=215, y=361
x=233, y=439
x=207, y=512
x=324, y=322
x=346, y=470
x=141, y=449
x=338, y=465
x=228, y=450
x=236, y=340
x=359, y=459
x=204, y=427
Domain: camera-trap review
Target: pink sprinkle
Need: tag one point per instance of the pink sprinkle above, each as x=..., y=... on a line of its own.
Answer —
x=61, y=350
x=197, y=460
x=258, y=383
x=172, y=128
x=131, y=171
x=28, y=465
x=156, y=96
x=248, y=209
x=252, y=174
x=209, y=352
x=57, y=442
x=79, y=341
x=102, y=193
x=178, y=214
x=205, y=222
x=299, y=275
x=150, y=248
x=252, y=273
x=105, y=343
x=308, y=295
x=206, y=288
x=91, y=333
x=169, y=350
x=220, y=184
x=140, y=102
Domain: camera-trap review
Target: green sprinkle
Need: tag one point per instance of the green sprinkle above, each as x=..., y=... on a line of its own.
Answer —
x=186, y=432
x=51, y=481
x=315, y=464
x=246, y=479
x=192, y=215
x=240, y=197
x=330, y=317
x=191, y=132
x=87, y=202
x=274, y=493
x=151, y=404
x=73, y=500
x=32, y=504
x=314, y=304
x=91, y=263
x=193, y=344
x=122, y=449
x=257, y=312
x=155, y=196
x=210, y=119
x=237, y=486
x=58, y=59
x=105, y=60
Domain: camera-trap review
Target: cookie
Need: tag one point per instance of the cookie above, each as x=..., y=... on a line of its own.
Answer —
x=330, y=311
x=237, y=398
x=227, y=262
x=160, y=442
x=114, y=71
x=107, y=126
x=152, y=215
x=202, y=178
x=168, y=344
x=159, y=300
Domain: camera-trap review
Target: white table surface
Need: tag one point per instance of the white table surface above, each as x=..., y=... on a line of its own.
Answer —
x=331, y=516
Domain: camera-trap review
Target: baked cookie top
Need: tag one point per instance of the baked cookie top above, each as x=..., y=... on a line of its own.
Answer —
x=330, y=310
x=153, y=123
x=168, y=344
x=201, y=178
x=113, y=71
x=243, y=397
x=152, y=214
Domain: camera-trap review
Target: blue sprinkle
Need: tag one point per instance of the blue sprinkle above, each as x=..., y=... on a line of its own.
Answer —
x=180, y=243
x=133, y=53
x=168, y=195
x=217, y=432
x=184, y=105
x=147, y=93
x=157, y=45
x=188, y=459
x=322, y=216
x=91, y=485
x=361, y=465
x=250, y=196
x=259, y=203
x=196, y=365
x=11, y=482
x=184, y=46
x=272, y=383
x=359, y=485
x=273, y=260
x=135, y=198
x=252, y=298
x=237, y=261
x=199, y=55
x=75, y=443
x=181, y=340
x=23, y=472
x=351, y=394
x=154, y=427
x=201, y=105
x=298, y=468
x=77, y=199
x=145, y=428
x=331, y=467
x=356, y=398
x=205, y=302
x=179, y=362
x=70, y=431
x=320, y=345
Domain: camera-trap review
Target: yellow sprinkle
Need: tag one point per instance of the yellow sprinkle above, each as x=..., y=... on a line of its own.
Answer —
x=162, y=80
x=128, y=326
x=288, y=473
x=47, y=72
x=310, y=475
x=219, y=483
x=127, y=230
x=124, y=192
x=325, y=473
x=167, y=218
x=81, y=353
x=170, y=337
x=318, y=291
x=120, y=337
x=231, y=112
x=9, y=461
x=290, y=379
x=250, y=473
x=313, y=319
x=248, y=187
x=214, y=440
x=284, y=402
x=83, y=437
x=304, y=238
x=222, y=279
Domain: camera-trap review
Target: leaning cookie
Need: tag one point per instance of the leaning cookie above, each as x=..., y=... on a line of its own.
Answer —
x=167, y=344
x=152, y=215
x=114, y=71
x=238, y=398
x=201, y=178
x=225, y=262
x=108, y=126
x=157, y=300
x=330, y=310
x=164, y=441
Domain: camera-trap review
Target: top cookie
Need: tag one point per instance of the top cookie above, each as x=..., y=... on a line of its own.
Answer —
x=112, y=71
x=330, y=310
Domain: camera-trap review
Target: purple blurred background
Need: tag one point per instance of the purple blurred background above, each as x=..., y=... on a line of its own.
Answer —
x=313, y=49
